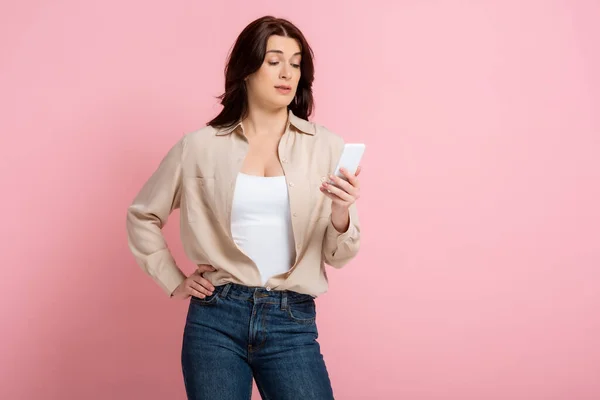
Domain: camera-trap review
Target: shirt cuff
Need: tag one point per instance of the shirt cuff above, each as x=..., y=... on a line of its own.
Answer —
x=340, y=237
x=165, y=272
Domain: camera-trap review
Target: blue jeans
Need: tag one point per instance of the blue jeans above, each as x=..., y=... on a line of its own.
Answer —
x=242, y=332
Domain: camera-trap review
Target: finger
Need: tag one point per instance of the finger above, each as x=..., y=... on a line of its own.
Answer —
x=203, y=282
x=342, y=194
x=205, y=268
x=332, y=196
x=339, y=182
x=358, y=170
x=195, y=293
x=352, y=179
x=200, y=288
x=199, y=279
x=335, y=198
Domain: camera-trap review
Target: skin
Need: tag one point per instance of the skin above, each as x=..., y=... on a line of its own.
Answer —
x=263, y=127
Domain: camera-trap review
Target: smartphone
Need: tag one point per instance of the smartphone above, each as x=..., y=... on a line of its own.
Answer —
x=350, y=159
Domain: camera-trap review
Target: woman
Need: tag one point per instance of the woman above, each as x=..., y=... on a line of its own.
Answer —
x=259, y=219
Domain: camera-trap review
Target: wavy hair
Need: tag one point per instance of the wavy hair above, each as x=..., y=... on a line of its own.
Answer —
x=247, y=56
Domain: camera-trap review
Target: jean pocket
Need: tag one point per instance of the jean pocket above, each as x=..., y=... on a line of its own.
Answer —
x=303, y=312
x=208, y=300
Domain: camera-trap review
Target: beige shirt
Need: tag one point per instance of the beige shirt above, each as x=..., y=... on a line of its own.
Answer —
x=198, y=175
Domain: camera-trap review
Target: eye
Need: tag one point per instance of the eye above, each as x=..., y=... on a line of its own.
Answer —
x=273, y=62
x=296, y=65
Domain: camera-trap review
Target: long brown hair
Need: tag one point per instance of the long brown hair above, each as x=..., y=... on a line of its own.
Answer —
x=248, y=55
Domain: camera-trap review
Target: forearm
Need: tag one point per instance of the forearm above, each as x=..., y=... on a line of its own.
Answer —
x=341, y=245
x=340, y=218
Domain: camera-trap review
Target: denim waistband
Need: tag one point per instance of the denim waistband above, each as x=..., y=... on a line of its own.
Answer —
x=261, y=294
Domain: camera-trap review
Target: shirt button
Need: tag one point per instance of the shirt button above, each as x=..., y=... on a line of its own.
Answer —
x=295, y=214
x=268, y=288
x=292, y=184
x=284, y=160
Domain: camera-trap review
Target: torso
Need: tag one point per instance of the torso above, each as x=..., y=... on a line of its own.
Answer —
x=262, y=158
x=261, y=224
x=261, y=195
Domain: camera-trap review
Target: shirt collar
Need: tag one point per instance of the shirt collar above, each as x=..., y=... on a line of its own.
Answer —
x=300, y=124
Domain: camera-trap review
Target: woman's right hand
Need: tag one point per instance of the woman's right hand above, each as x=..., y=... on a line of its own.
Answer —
x=195, y=284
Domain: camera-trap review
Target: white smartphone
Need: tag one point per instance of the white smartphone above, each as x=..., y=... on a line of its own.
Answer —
x=350, y=159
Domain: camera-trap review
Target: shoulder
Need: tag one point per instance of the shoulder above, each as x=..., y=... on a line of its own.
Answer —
x=198, y=137
x=200, y=134
x=190, y=141
x=327, y=147
x=318, y=132
x=327, y=134
x=329, y=139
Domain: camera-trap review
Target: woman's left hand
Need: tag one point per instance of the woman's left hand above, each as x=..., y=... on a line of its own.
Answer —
x=343, y=195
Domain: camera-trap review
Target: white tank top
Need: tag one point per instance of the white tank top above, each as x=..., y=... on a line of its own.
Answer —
x=261, y=224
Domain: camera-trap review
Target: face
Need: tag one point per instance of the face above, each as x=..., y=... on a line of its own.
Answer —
x=274, y=84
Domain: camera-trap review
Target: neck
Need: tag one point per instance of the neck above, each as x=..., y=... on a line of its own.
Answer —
x=263, y=122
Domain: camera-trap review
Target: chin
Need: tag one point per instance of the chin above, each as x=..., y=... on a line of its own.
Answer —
x=281, y=104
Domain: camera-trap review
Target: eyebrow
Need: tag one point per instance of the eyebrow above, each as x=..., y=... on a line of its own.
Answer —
x=281, y=52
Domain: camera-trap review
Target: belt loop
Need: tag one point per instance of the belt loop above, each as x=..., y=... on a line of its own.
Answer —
x=225, y=290
x=284, y=300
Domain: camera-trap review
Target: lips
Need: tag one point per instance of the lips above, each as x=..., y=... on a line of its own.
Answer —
x=283, y=87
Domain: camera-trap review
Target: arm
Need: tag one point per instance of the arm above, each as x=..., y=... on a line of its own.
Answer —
x=342, y=235
x=341, y=245
x=147, y=215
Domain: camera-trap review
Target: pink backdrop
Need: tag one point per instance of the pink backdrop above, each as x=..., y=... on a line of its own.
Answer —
x=480, y=267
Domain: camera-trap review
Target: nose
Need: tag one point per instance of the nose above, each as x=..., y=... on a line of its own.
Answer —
x=285, y=73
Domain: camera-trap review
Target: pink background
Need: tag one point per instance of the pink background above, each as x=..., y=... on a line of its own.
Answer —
x=479, y=272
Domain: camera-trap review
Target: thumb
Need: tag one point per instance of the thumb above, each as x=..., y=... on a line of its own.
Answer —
x=205, y=267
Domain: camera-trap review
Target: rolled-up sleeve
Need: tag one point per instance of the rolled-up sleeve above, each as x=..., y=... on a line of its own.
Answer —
x=147, y=215
x=341, y=247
